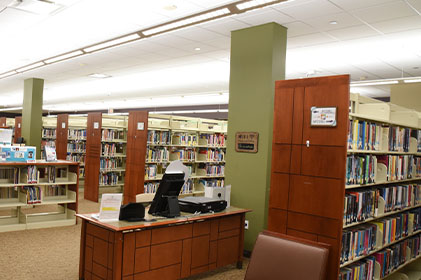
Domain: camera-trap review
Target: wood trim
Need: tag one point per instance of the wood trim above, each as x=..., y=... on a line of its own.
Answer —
x=82, y=250
x=93, y=154
x=136, y=154
x=61, y=136
x=3, y=121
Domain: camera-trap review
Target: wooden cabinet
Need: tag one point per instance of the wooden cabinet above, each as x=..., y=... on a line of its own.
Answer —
x=170, y=250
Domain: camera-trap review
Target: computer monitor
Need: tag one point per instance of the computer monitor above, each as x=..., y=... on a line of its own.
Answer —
x=165, y=201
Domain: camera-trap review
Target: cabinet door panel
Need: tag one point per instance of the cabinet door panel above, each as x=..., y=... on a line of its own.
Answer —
x=323, y=161
x=200, y=251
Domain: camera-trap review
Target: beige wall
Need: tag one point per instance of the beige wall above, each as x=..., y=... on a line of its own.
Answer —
x=406, y=95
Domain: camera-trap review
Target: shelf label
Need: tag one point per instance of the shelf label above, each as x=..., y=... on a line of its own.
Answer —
x=323, y=116
x=63, y=125
x=246, y=142
x=140, y=126
x=96, y=125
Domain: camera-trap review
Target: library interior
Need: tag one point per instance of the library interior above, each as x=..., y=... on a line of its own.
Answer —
x=210, y=139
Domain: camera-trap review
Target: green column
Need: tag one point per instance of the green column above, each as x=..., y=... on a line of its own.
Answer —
x=406, y=95
x=32, y=112
x=257, y=61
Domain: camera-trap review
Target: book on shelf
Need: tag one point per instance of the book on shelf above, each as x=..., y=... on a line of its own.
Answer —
x=159, y=137
x=157, y=154
x=363, y=135
x=79, y=134
x=55, y=191
x=360, y=270
x=108, y=179
x=399, y=139
x=358, y=242
x=112, y=134
x=7, y=193
x=361, y=169
x=33, y=194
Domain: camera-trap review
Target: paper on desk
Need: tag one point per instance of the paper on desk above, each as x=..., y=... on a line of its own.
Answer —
x=177, y=166
x=110, y=206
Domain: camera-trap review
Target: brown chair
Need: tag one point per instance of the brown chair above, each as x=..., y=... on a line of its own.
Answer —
x=278, y=256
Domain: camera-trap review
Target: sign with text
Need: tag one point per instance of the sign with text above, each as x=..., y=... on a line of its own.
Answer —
x=323, y=116
x=246, y=142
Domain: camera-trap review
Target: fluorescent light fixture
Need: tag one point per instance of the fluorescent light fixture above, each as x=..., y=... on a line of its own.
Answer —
x=187, y=21
x=7, y=74
x=254, y=3
x=36, y=7
x=374, y=83
x=63, y=56
x=11, y=109
x=118, y=41
x=99, y=76
x=412, y=80
x=29, y=67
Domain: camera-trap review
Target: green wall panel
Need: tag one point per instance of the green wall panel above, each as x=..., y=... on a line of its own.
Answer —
x=257, y=61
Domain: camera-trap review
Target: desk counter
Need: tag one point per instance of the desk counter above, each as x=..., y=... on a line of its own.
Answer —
x=163, y=249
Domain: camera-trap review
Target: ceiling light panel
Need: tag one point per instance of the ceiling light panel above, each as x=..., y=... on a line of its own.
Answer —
x=30, y=67
x=118, y=41
x=64, y=56
x=37, y=7
x=254, y=3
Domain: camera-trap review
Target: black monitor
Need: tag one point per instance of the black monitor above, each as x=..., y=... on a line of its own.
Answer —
x=165, y=201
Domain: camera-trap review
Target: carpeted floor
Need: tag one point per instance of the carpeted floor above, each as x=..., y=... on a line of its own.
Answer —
x=53, y=254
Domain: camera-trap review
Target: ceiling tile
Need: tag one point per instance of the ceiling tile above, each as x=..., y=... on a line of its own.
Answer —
x=298, y=28
x=308, y=40
x=264, y=16
x=358, y=4
x=385, y=12
x=343, y=20
x=416, y=4
x=224, y=27
x=354, y=32
x=381, y=69
x=398, y=25
x=198, y=34
x=310, y=9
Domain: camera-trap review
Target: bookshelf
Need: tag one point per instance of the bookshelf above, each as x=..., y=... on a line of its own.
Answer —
x=48, y=136
x=38, y=195
x=199, y=143
x=105, y=161
x=355, y=186
x=17, y=128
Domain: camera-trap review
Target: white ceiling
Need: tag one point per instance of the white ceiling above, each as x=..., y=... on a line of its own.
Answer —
x=373, y=39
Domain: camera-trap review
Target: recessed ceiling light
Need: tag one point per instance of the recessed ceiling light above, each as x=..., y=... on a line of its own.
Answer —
x=99, y=76
x=197, y=49
x=333, y=22
x=170, y=7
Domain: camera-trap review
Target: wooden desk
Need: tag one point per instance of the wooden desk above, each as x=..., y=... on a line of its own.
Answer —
x=164, y=249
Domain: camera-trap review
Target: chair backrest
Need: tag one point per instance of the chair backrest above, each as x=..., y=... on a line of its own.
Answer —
x=278, y=256
x=145, y=197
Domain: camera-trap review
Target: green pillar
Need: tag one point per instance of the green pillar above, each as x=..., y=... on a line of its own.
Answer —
x=32, y=112
x=257, y=61
x=406, y=95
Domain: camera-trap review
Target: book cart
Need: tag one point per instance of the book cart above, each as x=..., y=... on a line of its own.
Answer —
x=354, y=184
x=38, y=195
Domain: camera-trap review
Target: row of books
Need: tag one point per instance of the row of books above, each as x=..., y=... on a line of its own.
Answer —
x=108, y=179
x=7, y=174
x=151, y=171
x=361, y=270
x=159, y=137
x=417, y=135
x=213, y=170
x=362, y=240
x=394, y=256
x=111, y=134
x=181, y=138
x=399, y=138
x=399, y=167
x=55, y=191
x=150, y=187
x=363, y=135
x=212, y=154
x=48, y=143
x=362, y=205
x=48, y=132
x=32, y=174
x=213, y=139
x=33, y=194
x=215, y=183
x=157, y=154
x=360, y=169
x=76, y=147
x=109, y=163
x=181, y=154
x=79, y=134
x=76, y=158
x=110, y=149
x=6, y=193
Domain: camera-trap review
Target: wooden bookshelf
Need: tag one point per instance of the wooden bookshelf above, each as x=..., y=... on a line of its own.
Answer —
x=18, y=128
x=55, y=187
x=136, y=152
x=93, y=155
x=61, y=136
x=49, y=132
x=309, y=163
x=3, y=121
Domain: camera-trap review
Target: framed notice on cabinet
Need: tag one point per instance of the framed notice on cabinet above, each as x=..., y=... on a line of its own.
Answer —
x=246, y=142
x=323, y=116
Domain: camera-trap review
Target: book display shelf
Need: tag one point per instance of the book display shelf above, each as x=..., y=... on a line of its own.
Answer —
x=199, y=143
x=38, y=195
x=355, y=185
x=48, y=136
